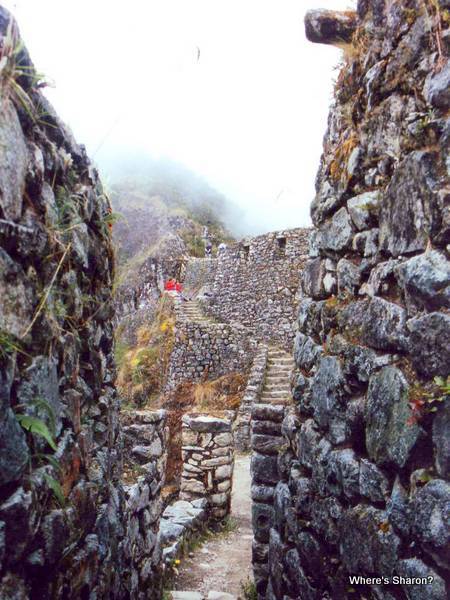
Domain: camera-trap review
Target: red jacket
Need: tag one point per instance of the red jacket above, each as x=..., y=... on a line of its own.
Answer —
x=170, y=285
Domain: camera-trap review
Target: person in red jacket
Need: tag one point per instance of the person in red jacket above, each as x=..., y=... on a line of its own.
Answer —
x=170, y=285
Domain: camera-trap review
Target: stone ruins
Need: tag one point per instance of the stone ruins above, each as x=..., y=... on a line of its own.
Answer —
x=341, y=332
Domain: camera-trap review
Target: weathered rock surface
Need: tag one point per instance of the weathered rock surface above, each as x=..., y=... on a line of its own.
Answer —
x=390, y=434
x=329, y=27
x=363, y=479
x=76, y=531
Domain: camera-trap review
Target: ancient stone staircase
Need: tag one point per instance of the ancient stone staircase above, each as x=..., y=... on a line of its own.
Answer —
x=268, y=384
x=190, y=310
x=277, y=387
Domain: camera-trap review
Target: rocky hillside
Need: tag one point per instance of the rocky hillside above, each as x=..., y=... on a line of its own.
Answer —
x=159, y=221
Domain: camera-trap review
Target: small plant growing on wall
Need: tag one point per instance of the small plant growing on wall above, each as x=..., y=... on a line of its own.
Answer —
x=35, y=426
x=424, y=401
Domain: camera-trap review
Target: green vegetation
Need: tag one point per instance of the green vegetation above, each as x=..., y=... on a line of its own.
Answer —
x=426, y=399
x=35, y=426
x=248, y=588
x=141, y=369
x=9, y=345
x=16, y=76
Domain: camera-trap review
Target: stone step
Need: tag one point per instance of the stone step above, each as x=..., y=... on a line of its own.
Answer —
x=288, y=360
x=280, y=361
x=275, y=394
x=286, y=371
x=277, y=388
x=274, y=401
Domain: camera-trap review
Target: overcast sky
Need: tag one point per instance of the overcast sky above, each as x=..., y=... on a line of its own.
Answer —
x=230, y=88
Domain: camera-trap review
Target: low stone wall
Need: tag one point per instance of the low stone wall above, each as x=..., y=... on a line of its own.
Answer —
x=181, y=522
x=266, y=442
x=252, y=392
x=145, y=441
x=206, y=351
x=208, y=461
x=256, y=283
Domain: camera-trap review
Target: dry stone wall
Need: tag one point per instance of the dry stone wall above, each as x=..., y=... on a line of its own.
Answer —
x=255, y=384
x=266, y=443
x=205, y=350
x=181, y=522
x=68, y=526
x=364, y=482
x=199, y=274
x=145, y=456
x=256, y=282
x=208, y=461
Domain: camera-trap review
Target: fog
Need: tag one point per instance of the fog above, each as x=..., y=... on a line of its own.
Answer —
x=231, y=89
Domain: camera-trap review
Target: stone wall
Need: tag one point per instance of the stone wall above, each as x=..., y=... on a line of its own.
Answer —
x=256, y=282
x=66, y=523
x=252, y=392
x=208, y=461
x=266, y=443
x=206, y=350
x=145, y=456
x=199, y=274
x=181, y=523
x=364, y=484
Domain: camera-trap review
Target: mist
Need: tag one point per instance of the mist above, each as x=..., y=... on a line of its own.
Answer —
x=231, y=90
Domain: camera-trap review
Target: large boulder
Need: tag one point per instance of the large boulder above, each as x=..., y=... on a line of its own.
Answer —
x=428, y=343
x=330, y=26
x=390, y=431
x=431, y=520
x=415, y=569
x=426, y=280
x=13, y=162
x=369, y=546
x=408, y=212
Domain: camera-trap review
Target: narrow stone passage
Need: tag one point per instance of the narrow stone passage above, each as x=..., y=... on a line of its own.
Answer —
x=222, y=563
x=277, y=388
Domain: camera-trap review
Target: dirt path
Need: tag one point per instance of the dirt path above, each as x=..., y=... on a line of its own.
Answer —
x=224, y=561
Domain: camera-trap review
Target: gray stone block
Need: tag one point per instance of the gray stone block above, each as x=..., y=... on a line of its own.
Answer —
x=267, y=412
x=264, y=469
x=267, y=444
x=262, y=521
x=414, y=568
x=368, y=544
x=430, y=512
x=390, y=433
x=428, y=344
